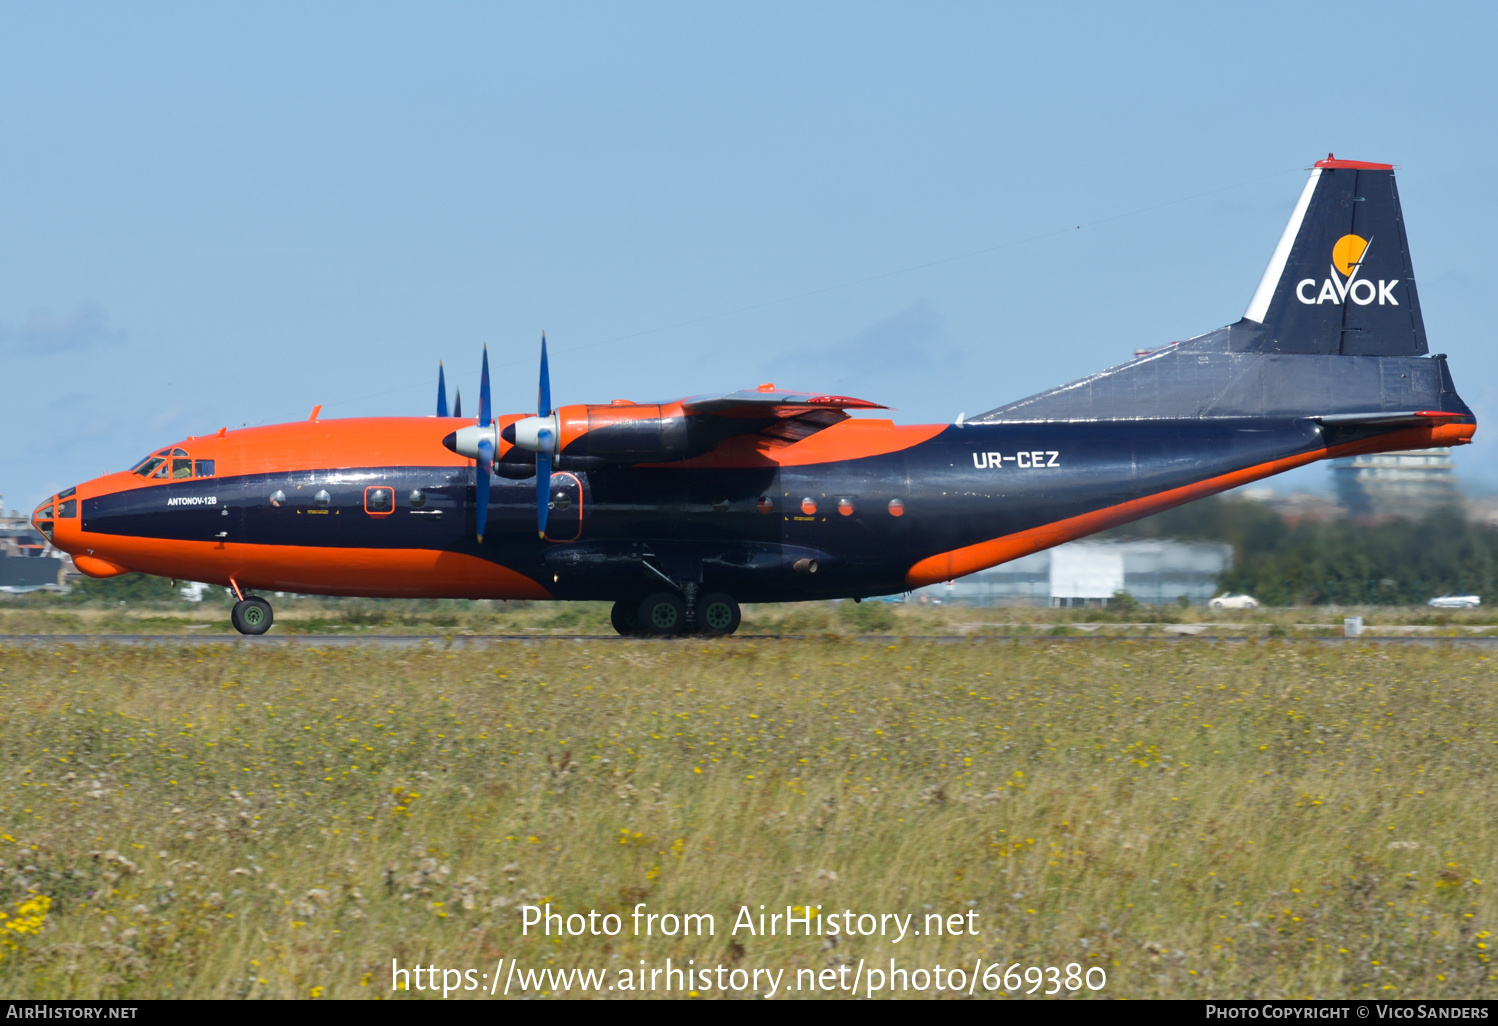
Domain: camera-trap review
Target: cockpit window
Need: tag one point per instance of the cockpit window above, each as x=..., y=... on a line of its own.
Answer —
x=67, y=509
x=172, y=465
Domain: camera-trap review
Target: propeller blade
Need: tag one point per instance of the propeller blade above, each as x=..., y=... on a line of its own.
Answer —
x=545, y=437
x=484, y=408
x=484, y=472
x=458, y=404
x=543, y=488
x=441, y=391
x=543, y=396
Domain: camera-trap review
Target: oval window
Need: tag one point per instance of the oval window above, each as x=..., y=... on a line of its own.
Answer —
x=322, y=498
x=808, y=506
x=845, y=507
x=417, y=498
x=896, y=508
x=764, y=505
x=379, y=499
x=278, y=498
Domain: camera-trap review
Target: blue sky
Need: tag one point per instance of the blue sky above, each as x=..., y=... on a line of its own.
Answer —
x=221, y=215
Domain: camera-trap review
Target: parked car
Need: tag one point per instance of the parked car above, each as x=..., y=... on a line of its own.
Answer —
x=1456, y=602
x=1234, y=602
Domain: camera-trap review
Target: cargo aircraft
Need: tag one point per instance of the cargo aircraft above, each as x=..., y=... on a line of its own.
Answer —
x=678, y=511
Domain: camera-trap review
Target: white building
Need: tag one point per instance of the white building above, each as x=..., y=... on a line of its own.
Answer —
x=1397, y=484
x=1092, y=572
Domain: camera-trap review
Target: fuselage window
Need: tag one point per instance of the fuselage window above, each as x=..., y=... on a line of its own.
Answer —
x=418, y=498
x=322, y=498
x=278, y=498
x=379, y=499
x=204, y=468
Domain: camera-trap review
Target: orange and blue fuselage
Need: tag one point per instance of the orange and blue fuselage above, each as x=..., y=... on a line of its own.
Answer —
x=378, y=507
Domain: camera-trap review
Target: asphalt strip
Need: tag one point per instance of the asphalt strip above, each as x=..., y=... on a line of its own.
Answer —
x=479, y=640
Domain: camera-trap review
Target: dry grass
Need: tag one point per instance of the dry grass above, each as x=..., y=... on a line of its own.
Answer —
x=1270, y=819
x=312, y=616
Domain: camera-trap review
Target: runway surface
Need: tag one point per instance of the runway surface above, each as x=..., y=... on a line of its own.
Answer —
x=476, y=640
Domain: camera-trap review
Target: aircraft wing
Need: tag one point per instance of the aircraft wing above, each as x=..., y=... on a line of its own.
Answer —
x=761, y=404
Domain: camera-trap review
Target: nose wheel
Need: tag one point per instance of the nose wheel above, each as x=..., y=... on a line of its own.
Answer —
x=251, y=615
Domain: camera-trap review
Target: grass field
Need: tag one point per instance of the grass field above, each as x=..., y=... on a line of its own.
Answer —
x=41, y=614
x=1272, y=818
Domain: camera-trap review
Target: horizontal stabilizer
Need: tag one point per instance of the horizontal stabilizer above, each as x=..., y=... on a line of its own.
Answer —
x=1394, y=419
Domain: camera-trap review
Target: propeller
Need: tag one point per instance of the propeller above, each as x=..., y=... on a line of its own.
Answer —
x=546, y=439
x=441, y=391
x=538, y=434
x=485, y=469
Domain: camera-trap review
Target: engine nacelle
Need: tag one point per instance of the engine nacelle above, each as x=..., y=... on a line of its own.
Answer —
x=617, y=433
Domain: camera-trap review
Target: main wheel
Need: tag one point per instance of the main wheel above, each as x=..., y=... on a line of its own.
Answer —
x=662, y=613
x=624, y=617
x=717, y=613
x=252, y=616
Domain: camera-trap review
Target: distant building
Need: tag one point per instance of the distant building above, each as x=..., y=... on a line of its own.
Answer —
x=1296, y=506
x=1397, y=484
x=28, y=562
x=1092, y=573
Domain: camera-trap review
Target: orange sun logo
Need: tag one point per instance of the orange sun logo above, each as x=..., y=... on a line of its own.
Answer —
x=1348, y=253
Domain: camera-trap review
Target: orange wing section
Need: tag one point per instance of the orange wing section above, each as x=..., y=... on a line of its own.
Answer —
x=850, y=439
x=970, y=559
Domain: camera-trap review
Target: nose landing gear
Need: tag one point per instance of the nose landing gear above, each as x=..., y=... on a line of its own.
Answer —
x=251, y=615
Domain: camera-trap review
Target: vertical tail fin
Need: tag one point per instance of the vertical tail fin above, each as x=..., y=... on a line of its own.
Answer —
x=1340, y=281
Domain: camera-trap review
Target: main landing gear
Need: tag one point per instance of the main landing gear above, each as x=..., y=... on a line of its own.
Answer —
x=664, y=613
x=252, y=615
